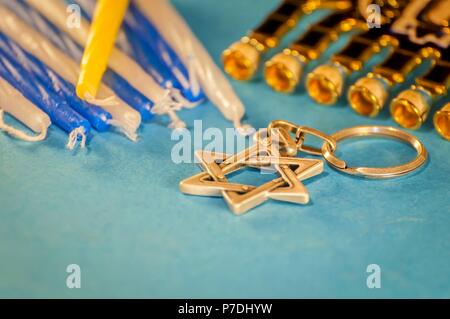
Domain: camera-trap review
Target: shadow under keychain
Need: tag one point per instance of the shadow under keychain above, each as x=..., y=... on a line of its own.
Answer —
x=276, y=148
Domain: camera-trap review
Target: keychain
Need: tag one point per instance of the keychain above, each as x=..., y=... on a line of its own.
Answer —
x=276, y=148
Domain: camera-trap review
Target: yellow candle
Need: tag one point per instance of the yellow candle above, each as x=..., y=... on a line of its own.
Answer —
x=107, y=20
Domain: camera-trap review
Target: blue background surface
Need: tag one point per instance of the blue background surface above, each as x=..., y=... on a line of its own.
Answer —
x=116, y=211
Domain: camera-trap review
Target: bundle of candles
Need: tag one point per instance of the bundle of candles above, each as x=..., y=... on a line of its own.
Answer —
x=157, y=67
x=411, y=34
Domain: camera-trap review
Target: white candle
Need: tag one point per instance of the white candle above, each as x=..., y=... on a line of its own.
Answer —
x=15, y=104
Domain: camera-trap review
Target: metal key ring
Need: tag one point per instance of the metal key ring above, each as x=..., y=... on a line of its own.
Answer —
x=300, y=133
x=372, y=172
x=300, y=136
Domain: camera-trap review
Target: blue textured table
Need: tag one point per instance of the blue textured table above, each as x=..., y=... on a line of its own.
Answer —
x=116, y=210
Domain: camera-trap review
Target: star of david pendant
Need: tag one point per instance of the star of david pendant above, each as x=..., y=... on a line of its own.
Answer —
x=242, y=198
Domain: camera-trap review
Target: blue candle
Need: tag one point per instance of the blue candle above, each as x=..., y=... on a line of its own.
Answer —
x=143, y=54
x=129, y=94
x=145, y=31
x=96, y=116
x=59, y=111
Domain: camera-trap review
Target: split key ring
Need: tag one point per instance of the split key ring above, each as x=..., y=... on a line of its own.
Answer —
x=372, y=172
